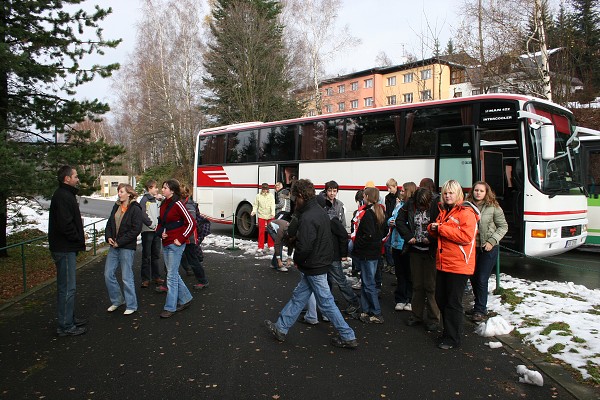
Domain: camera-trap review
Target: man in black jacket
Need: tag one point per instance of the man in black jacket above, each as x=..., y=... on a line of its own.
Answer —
x=313, y=256
x=66, y=238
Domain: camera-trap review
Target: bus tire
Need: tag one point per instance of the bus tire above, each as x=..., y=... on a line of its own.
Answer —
x=245, y=223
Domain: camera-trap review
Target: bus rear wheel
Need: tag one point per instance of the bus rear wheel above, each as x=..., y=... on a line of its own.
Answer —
x=244, y=221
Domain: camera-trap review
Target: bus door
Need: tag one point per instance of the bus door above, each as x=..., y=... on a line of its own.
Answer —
x=457, y=156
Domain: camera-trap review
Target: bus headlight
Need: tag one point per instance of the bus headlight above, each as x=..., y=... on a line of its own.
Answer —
x=544, y=233
x=583, y=228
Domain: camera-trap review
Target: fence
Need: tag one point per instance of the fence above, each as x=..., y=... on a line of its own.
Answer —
x=93, y=231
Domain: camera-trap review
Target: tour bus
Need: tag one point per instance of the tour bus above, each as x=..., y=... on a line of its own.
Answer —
x=522, y=146
x=590, y=160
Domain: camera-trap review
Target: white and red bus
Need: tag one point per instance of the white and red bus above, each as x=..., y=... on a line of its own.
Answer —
x=520, y=145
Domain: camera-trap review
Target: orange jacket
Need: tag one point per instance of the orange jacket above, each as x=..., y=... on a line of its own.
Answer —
x=457, y=229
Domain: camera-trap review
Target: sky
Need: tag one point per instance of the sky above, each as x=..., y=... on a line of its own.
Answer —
x=557, y=318
x=382, y=25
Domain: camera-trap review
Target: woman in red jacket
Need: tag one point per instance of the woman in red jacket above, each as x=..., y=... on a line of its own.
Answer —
x=175, y=226
x=455, y=229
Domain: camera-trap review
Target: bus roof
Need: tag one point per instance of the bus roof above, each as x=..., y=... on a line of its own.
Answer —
x=467, y=99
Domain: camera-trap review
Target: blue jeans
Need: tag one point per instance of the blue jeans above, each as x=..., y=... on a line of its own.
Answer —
x=311, y=309
x=369, y=300
x=65, y=288
x=336, y=275
x=178, y=293
x=316, y=284
x=123, y=258
x=486, y=260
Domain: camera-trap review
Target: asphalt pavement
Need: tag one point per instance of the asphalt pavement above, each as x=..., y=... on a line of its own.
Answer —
x=218, y=348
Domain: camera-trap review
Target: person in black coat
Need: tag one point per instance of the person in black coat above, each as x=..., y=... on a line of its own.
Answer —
x=122, y=229
x=313, y=256
x=66, y=238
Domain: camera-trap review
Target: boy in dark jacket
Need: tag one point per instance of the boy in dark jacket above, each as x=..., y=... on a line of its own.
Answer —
x=313, y=256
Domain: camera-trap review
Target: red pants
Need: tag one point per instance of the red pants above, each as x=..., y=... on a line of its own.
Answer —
x=262, y=228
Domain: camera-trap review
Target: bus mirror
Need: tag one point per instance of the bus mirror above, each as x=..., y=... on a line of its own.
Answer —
x=548, y=136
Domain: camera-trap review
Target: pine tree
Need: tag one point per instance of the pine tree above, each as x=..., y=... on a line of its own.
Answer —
x=41, y=48
x=587, y=43
x=246, y=63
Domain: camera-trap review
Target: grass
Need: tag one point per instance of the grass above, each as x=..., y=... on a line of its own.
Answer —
x=509, y=297
x=557, y=326
x=39, y=266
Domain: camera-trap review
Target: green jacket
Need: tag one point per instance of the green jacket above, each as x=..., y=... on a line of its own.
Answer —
x=492, y=225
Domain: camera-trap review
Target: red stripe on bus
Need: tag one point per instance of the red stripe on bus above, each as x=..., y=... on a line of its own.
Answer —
x=555, y=212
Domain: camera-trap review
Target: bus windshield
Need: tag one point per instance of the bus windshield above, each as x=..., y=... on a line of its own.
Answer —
x=562, y=173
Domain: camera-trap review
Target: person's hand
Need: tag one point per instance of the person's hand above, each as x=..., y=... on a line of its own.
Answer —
x=412, y=241
x=177, y=242
x=425, y=241
x=488, y=246
x=164, y=235
x=434, y=226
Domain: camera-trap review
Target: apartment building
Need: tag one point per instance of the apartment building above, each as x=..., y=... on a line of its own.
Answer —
x=429, y=79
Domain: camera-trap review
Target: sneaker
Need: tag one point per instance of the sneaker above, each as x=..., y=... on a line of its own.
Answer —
x=200, y=286
x=277, y=334
x=352, y=309
x=477, y=317
x=113, y=308
x=161, y=289
x=407, y=307
x=325, y=319
x=282, y=269
x=145, y=284
x=371, y=319
x=181, y=307
x=357, y=285
x=80, y=321
x=166, y=314
x=128, y=312
x=345, y=344
x=399, y=307
x=75, y=331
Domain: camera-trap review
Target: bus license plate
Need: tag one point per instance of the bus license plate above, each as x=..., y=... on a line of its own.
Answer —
x=571, y=243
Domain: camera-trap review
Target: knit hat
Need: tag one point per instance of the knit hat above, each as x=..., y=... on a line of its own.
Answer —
x=370, y=184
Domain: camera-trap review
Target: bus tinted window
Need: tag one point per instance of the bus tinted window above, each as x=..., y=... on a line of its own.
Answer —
x=421, y=126
x=372, y=136
x=241, y=147
x=211, y=149
x=277, y=143
x=322, y=140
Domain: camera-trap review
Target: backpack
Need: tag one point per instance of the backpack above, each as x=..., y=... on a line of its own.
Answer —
x=202, y=225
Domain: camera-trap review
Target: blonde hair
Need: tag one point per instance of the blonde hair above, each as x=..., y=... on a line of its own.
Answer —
x=391, y=182
x=453, y=186
x=129, y=189
x=372, y=196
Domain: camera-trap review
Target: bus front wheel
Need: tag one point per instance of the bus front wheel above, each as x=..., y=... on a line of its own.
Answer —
x=245, y=223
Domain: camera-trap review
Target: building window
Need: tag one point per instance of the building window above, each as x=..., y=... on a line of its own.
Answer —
x=328, y=108
x=312, y=113
x=354, y=86
x=341, y=89
x=391, y=100
x=425, y=95
x=391, y=81
x=408, y=78
x=457, y=94
x=329, y=92
x=408, y=97
x=341, y=106
x=475, y=92
x=426, y=74
x=493, y=90
x=368, y=83
x=354, y=104
x=457, y=76
x=368, y=101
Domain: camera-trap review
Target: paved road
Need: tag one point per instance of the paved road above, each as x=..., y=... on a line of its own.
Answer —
x=219, y=349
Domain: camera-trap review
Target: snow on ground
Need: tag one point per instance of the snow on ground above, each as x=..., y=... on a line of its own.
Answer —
x=557, y=318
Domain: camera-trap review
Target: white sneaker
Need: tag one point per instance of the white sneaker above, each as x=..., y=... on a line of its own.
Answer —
x=112, y=308
x=128, y=312
x=282, y=269
x=407, y=307
x=399, y=307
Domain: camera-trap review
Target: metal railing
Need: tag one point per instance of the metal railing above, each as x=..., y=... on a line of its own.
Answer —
x=22, y=244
